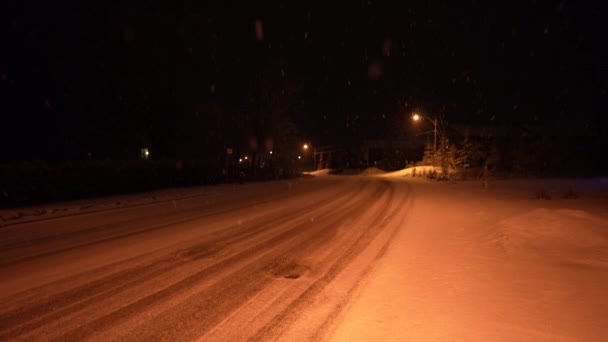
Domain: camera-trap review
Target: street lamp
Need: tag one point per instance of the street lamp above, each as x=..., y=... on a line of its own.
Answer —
x=305, y=146
x=417, y=117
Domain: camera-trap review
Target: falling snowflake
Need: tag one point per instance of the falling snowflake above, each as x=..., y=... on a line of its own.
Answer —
x=259, y=29
x=386, y=48
x=375, y=70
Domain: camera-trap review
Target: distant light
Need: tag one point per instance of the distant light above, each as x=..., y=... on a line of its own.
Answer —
x=246, y=157
x=299, y=157
x=305, y=146
x=270, y=152
x=145, y=153
x=416, y=117
x=240, y=160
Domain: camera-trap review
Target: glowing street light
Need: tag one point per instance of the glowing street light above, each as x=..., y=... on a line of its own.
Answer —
x=145, y=153
x=305, y=146
x=299, y=157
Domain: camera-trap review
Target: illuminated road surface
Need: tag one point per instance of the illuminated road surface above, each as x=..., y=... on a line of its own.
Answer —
x=278, y=260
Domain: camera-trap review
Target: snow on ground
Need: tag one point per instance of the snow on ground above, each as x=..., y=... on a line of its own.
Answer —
x=357, y=258
x=372, y=171
x=321, y=172
x=247, y=264
x=84, y=206
x=419, y=171
x=501, y=264
x=556, y=235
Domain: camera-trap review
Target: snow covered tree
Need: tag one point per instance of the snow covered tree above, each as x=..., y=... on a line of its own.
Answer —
x=428, y=158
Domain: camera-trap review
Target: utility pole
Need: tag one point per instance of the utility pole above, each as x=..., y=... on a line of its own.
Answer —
x=435, y=131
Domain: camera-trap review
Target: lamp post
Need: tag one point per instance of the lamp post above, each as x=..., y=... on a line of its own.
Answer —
x=418, y=117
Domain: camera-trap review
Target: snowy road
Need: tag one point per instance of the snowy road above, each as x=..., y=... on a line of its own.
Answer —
x=385, y=257
x=255, y=261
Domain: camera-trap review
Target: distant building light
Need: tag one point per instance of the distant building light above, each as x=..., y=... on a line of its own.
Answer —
x=270, y=152
x=299, y=157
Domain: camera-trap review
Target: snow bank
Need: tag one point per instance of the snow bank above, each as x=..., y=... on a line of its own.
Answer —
x=322, y=172
x=372, y=171
x=559, y=235
x=495, y=264
x=420, y=170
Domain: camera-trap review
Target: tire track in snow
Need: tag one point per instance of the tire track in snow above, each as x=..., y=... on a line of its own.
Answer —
x=324, y=330
x=121, y=229
x=62, y=304
x=280, y=322
x=188, y=318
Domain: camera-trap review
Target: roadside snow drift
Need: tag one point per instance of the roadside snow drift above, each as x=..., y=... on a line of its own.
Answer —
x=418, y=170
x=490, y=265
x=556, y=235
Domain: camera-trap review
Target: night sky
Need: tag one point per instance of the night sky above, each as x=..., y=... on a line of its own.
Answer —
x=102, y=79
